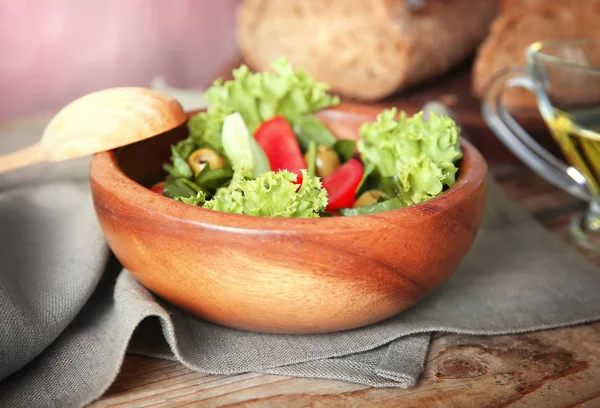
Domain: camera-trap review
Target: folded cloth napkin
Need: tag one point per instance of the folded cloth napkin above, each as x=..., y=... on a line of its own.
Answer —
x=69, y=315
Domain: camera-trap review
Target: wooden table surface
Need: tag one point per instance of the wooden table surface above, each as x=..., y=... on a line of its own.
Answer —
x=553, y=368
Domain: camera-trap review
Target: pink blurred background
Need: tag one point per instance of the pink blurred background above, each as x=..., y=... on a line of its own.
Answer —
x=52, y=52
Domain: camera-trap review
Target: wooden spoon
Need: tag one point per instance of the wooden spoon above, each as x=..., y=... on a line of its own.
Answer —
x=100, y=121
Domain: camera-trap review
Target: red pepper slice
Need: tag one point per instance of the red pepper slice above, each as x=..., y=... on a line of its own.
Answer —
x=278, y=141
x=341, y=185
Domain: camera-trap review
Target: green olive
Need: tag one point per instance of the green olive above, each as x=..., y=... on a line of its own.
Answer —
x=367, y=198
x=327, y=161
x=201, y=157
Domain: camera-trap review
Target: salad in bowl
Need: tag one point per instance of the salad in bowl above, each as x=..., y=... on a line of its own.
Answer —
x=259, y=149
x=279, y=209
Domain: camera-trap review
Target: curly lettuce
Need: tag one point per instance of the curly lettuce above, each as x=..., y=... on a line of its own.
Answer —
x=272, y=194
x=258, y=97
x=419, y=157
x=196, y=200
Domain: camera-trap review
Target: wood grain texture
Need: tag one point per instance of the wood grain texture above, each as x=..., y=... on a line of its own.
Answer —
x=553, y=368
x=107, y=119
x=462, y=371
x=21, y=158
x=285, y=275
x=100, y=121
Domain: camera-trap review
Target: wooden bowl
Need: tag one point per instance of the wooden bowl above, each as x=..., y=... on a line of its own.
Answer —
x=283, y=275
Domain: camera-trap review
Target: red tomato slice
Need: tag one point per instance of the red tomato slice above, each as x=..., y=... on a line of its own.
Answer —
x=278, y=141
x=159, y=189
x=342, y=184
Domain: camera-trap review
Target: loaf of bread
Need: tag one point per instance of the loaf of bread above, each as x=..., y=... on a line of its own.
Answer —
x=521, y=23
x=365, y=49
x=520, y=4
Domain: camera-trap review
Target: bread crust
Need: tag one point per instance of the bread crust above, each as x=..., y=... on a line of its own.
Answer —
x=365, y=49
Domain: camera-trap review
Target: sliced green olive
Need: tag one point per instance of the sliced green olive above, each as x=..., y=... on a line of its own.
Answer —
x=327, y=161
x=202, y=157
x=367, y=198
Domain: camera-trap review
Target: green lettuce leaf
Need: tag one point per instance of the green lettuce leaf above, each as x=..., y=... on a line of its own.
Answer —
x=196, y=200
x=179, y=167
x=177, y=188
x=258, y=97
x=345, y=149
x=420, y=179
x=308, y=128
x=272, y=194
x=421, y=155
x=205, y=129
x=244, y=152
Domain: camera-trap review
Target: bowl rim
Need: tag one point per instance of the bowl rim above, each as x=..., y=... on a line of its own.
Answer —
x=106, y=174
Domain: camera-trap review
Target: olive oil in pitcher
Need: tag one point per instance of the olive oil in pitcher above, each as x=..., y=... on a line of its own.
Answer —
x=578, y=134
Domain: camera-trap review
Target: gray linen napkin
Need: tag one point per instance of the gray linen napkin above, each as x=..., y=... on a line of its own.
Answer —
x=59, y=347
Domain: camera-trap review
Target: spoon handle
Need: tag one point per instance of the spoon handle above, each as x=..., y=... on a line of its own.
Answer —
x=21, y=158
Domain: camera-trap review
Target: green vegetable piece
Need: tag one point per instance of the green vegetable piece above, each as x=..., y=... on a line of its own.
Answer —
x=243, y=151
x=205, y=129
x=391, y=186
x=181, y=187
x=272, y=194
x=345, y=149
x=258, y=97
x=290, y=93
x=308, y=129
x=369, y=169
x=421, y=180
x=212, y=179
x=190, y=184
x=422, y=155
x=179, y=168
x=179, y=155
x=185, y=148
x=312, y=158
x=196, y=200
x=381, y=206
